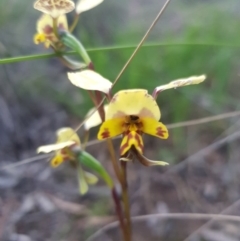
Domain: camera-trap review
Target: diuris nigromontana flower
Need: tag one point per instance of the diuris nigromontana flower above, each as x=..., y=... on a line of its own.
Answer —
x=45, y=32
x=131, y=113
x=67, y=140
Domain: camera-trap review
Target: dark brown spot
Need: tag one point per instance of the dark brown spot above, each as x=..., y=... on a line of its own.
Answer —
x=160, y=132
x=134, y=117
x=105, y=133
x=48, y=29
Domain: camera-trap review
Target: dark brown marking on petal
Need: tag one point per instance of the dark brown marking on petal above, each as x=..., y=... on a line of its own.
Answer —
x=138, y=138
x=63, y=151
x=134, y=117
x=48, y=29
x=123, y=147
x=61, y=26
x=160, y=132
x=105, y=133
x=55, y=163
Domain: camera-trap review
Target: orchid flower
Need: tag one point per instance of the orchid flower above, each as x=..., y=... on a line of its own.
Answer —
x=131, y=113
x=67, y=140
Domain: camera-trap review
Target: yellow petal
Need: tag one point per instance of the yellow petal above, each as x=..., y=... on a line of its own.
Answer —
x=154, y=128
x=94, y=119
x=133, y=102
x=90, y=80
x=67, y=134
x=57, y=160
x=111, y=128
x=39, y=38
x=90, y=178
x=147, y=162
x=132, y=139
x=54, y=8
x=84, y=5
x=193, y=80
x=55, y=147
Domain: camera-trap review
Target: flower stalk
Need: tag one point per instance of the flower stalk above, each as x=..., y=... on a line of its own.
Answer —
x=125, y=199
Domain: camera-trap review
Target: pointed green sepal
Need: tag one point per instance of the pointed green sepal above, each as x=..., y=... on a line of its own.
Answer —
x=73, y=43
x=93, y=164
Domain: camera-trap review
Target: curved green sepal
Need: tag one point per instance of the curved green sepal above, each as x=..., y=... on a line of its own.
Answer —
x=89, y=161
x=72, y=42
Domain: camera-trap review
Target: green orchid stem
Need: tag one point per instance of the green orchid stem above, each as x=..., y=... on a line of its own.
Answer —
x=74, y=24
x=116, y=167
x=98, y=96
x=97, y=101
x=126, y=229
x=109, y=141
x=119, y=213
x=125, y=200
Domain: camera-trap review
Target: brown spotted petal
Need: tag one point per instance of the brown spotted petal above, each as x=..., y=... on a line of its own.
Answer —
x=54, y=8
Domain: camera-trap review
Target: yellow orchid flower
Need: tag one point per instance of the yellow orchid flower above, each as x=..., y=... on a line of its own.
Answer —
x=45, y=33
x=66, y=140
x=132, y=113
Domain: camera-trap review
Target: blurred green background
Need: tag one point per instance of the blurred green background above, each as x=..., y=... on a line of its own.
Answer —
x=191, y=38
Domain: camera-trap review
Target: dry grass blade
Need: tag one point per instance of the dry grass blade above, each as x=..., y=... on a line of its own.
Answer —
x=26, y=161
x=142, y=41
x=204, y=120
x=215, y=145
x=223, y=213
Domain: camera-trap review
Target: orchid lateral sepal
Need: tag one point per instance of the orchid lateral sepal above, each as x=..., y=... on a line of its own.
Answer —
x=93, y=164
x=73, y=43
x=193, y=80
x=145, y=161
